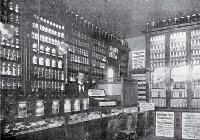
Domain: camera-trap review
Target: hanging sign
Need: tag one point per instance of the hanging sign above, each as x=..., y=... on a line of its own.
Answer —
x=165, y=124
x=191, y=125
x=138, y=59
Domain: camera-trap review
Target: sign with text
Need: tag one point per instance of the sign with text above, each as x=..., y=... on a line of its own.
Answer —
x=165, y=124
x=131, y=110
x=146, y=106
x=191, y=125
x=96, y=92
x=138, y=59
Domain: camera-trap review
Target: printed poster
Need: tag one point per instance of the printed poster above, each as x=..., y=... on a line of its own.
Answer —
x=138, y=59
x=191, y=125
x=165, y=124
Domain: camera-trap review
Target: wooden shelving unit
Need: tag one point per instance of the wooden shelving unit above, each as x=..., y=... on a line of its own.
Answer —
x=34, y=73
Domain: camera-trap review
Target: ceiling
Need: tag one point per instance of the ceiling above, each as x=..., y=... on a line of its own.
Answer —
x=127, y=18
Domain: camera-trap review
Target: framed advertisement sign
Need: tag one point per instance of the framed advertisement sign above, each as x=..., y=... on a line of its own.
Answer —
x=165, y=124
x=67, y=106
x=39, y=108
x=55, y=107
x=191, y=125
x=22, y=110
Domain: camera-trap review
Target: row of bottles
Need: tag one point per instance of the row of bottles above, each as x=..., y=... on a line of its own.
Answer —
x=98, y=71
x=78, y=50
x=14, y=18
x=79, y=59
x=98, y=64
x=178, y=37
x=157, y=51
x=45, y=49
x=12, y=6
x=13, y=13
x=36, y=85
x=101, y=57
x=45, y=38
x=51, y=23
x=79, y=67
x=159, y=102
x=47, y=69
x=157, y=64
x=10, y=68
x=157, y=48
x=173, y=21
x=10, y=54
x=179, y=85
x=48, y=30
x=178, y=46
x=196, y=52
x=195, y=44
x=179, y=94
x=179, y=103
x=196, y=84
x=157, y=55
x=10, y=83
x=78, y=42
x=196, y=103
x=159, y=94
x=196, y=93
x=177, y=62
x=178, y=54
x=73, y=77
x=195, y=34
x=42, y=61
x=98, y=49
x=158, y=85
x=160, y=39
x=99, y=44
x=47, y=73
x=12, y=44
x=80, y=35
x=113, y=49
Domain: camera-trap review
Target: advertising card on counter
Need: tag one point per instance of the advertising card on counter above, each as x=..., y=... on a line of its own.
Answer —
x=39, y=108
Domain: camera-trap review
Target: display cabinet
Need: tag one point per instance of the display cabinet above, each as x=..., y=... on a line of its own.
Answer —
x=173, y=58
x=142, y=76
